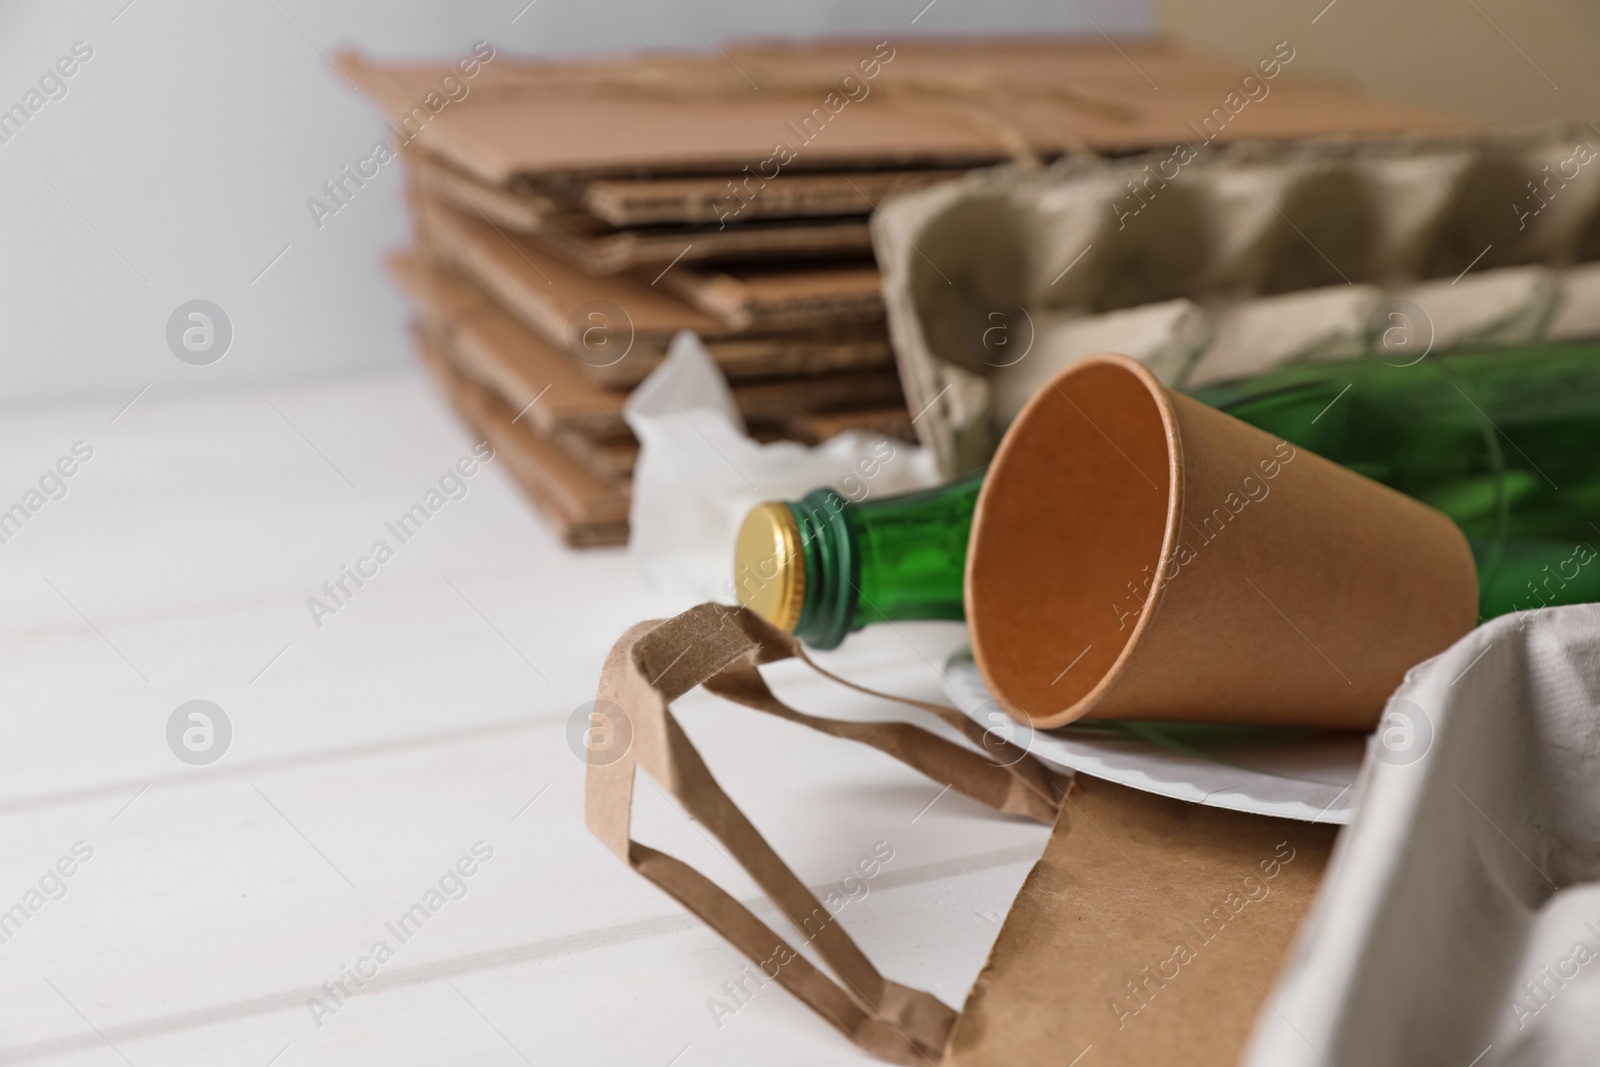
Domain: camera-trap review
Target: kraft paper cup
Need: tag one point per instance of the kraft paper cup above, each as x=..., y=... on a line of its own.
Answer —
x=1138, y=555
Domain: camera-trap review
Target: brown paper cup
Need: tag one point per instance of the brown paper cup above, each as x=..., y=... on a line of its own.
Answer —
x=1138, y=555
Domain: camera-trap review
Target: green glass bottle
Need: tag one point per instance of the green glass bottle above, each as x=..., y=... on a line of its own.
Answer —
x=1505, y=442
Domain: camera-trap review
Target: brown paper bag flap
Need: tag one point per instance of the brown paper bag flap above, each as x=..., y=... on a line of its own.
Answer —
x=654, y=664
x=1150, y=932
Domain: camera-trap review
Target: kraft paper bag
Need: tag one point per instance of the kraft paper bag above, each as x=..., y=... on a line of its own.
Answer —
x=1149, y=932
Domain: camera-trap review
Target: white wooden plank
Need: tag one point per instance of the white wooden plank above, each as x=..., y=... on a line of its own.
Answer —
x=422, y=718
x=638, y=1002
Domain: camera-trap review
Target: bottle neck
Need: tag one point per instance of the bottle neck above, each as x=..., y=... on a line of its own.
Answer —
x=831, y=558
x=890, y=559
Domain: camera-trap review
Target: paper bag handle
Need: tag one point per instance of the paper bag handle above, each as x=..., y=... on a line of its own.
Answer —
x=720, y=647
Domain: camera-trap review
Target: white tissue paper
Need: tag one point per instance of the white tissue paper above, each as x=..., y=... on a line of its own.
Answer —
x=699, y=473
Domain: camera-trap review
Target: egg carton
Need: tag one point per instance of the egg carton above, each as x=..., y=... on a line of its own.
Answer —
x=1458, y=922
x=1209, y=263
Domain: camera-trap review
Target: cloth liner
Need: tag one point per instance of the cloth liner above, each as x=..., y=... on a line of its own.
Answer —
x=699, y=473
x=1459, y=922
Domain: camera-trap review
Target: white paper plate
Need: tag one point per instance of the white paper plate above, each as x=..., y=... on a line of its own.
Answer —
x=1294, y=774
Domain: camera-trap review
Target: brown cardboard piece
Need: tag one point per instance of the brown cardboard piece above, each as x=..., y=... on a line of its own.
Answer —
x=586, y=511
x=549, y=296
x=1125, y=879
x=1136, y=554
x=891, y=421
x=928, y=102
x=499, y=353
x=780, y=399
x=526, y=205
x=776, y=297
x=597, y=248
x=657, y=201
x=610, y=458
x=517, y=209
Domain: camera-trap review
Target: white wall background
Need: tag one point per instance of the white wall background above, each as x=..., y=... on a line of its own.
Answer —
x=179, y=163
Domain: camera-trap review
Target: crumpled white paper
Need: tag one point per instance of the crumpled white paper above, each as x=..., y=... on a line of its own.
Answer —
x=699, y=473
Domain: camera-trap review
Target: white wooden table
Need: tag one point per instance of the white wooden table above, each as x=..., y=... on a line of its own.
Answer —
x=428, y=714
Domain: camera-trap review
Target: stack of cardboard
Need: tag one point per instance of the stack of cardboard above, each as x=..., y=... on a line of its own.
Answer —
x=572, y=217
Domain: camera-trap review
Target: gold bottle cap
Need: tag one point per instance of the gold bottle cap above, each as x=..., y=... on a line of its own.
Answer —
x=769, y=572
